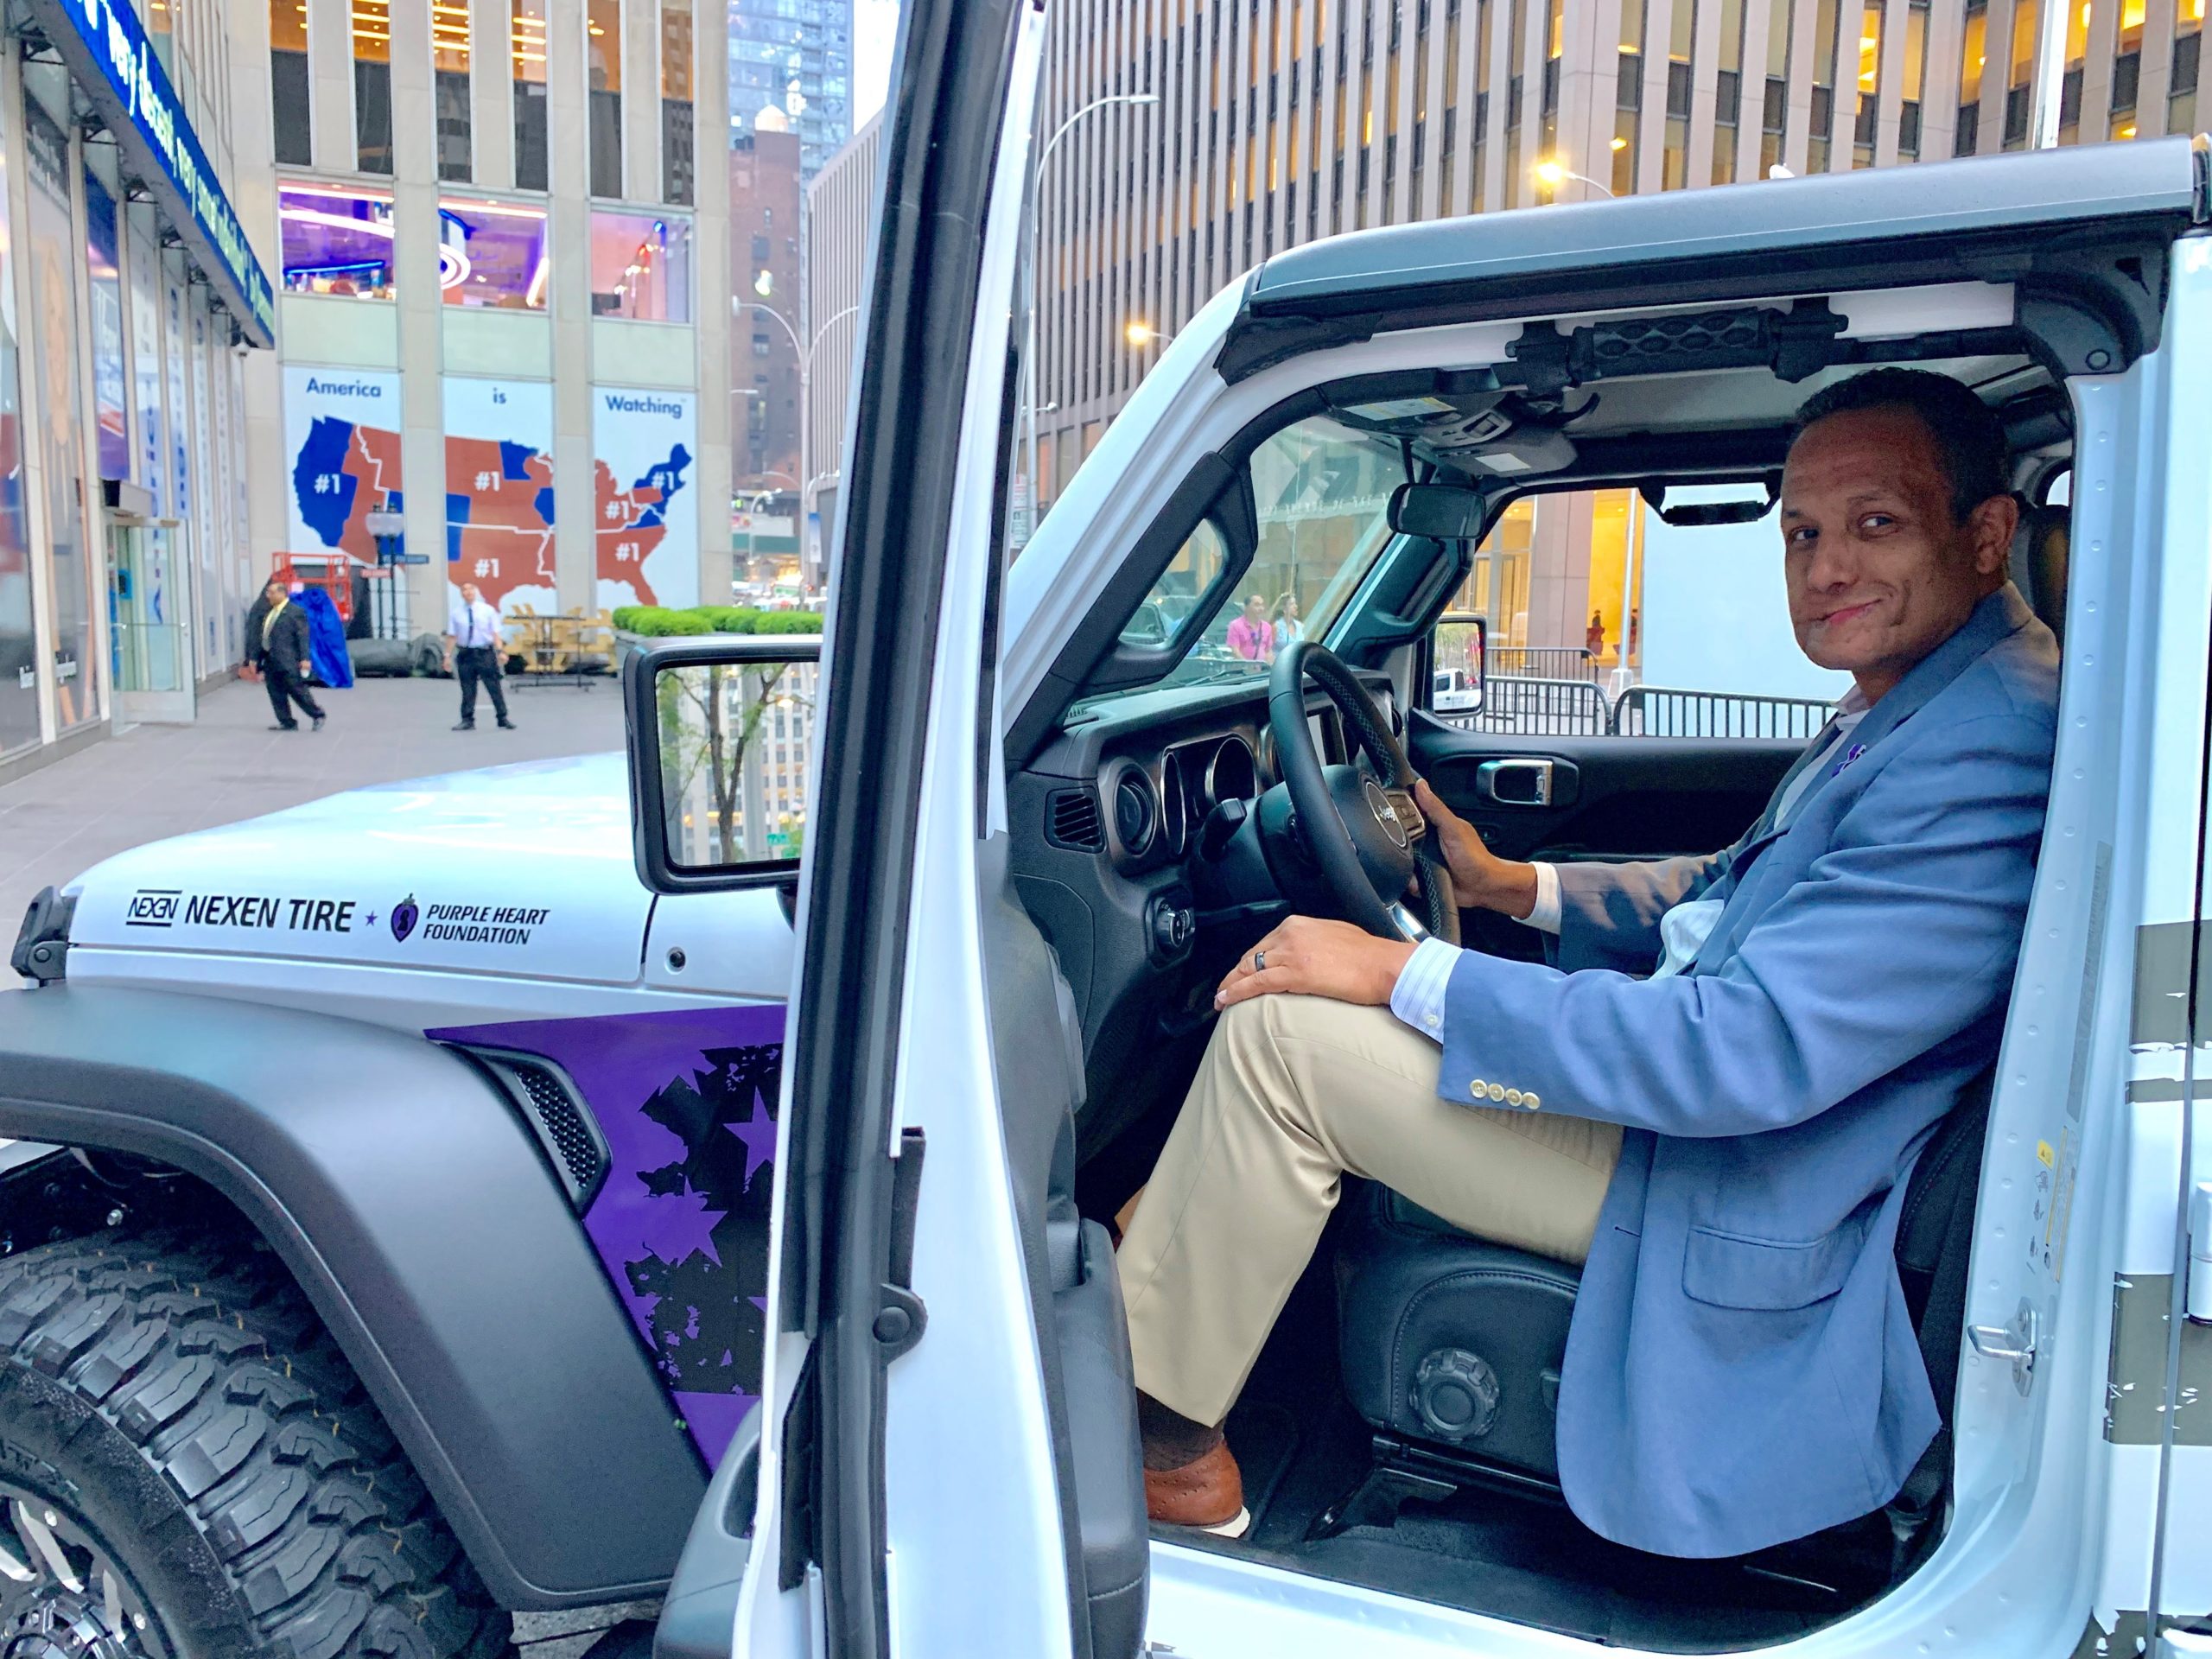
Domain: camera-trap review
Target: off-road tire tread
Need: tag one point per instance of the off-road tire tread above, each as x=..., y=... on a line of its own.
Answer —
x=198, y=1348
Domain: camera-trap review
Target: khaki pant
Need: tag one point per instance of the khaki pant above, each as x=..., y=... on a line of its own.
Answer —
x=1293, y=1093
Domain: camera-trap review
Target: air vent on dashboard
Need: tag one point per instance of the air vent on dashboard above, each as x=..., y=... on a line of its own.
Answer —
x=1072, y=820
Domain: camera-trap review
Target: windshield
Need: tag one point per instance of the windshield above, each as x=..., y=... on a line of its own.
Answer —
x=1322, y=493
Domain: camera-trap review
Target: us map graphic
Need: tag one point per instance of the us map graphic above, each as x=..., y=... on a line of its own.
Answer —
x=341, y=473
x=500, y=517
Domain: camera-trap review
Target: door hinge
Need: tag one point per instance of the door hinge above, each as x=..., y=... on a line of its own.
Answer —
x=2015, y=1342
x=901, y=1318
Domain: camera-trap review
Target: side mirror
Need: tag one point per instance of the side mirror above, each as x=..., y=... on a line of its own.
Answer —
x=720, y=732
x=1458, y=660
x=1442, y=512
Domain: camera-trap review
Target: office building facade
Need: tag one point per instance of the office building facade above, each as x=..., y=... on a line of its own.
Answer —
x=134, y=297
x=841, y=207
x=1276, y=121
x=790, y=67
x=503, y=252
x=768, y=329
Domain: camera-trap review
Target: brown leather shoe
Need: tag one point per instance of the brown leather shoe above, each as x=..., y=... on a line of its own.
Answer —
x=1206, y=1493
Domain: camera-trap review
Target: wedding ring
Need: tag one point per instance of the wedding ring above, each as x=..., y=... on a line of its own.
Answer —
x=1259, y=962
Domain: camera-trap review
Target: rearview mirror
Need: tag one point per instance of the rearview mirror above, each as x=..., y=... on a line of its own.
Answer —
x=1442, y=512
x=720, y=732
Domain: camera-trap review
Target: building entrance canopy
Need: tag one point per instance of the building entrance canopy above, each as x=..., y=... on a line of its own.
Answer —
x=106, y=50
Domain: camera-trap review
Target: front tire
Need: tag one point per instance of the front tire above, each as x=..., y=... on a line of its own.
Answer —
x=211, y=1481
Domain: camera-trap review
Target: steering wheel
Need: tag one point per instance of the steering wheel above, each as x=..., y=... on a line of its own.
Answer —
x=1369, y=837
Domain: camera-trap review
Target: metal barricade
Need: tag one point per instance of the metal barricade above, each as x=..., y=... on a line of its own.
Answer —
x=1543, y=662
x=1665, y=711
x=1536, y=707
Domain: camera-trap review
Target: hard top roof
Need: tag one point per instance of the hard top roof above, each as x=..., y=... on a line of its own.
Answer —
x=1931, y=221
x=2155, y=177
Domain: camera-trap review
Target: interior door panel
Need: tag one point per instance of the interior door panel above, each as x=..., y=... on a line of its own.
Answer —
x=1611, y=798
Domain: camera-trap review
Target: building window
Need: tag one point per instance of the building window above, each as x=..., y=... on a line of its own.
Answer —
x=336, y=240
x=1825, y=22
x=2018, y=90
x=1775, y=108
x=491, y=253
x=1681, y=39
x=526, y=49
x=1728, y=91
x=1627, y=95
x=677, y=147
x=641, y=266
x=2126, y=70
x=603, y=55
x=1916, y=81
x=2188, y=38
x=2069, y=87
x=1971, y=55
x=450, y=45
x=373, y=85
x=290, y=83
x=1869, y=112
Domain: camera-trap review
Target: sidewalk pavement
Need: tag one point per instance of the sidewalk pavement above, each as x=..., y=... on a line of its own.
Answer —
x=152, y=782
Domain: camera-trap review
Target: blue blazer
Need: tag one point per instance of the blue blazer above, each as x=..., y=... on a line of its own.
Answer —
x=1741, y=1369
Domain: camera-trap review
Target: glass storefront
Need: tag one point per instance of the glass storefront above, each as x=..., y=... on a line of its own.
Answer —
x=53, y=337
x=18, y=641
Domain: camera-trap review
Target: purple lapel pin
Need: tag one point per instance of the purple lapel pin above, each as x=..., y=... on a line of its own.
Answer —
x=1857, y=749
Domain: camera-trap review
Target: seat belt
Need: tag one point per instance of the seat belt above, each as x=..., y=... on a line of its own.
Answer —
x=1910, y=1510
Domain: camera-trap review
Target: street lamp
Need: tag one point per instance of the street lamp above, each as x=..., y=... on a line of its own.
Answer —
x=1554, y=173
x=805, y=355
x=1029, y=350
x=1142, y=334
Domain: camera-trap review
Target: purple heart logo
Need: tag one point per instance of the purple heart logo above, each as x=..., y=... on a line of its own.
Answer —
x=404, y=917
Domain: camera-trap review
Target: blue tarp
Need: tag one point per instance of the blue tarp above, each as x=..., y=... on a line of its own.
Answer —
x=325, y=638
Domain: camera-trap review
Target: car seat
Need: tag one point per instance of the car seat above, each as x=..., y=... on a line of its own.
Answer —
x=1451, y=1347
x=2040, y=559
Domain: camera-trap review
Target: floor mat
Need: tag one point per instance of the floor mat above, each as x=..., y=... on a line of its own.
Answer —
x=1301, y=1449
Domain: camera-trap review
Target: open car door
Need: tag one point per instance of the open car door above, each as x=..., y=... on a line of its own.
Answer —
x=938, y=1313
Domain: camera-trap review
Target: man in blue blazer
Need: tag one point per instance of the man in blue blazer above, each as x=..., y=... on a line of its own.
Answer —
x=1713, y=1100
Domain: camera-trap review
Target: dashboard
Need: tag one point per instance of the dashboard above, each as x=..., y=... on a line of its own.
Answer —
x=1136, y=848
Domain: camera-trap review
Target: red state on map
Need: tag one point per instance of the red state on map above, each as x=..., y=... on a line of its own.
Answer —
x=373, y=458
x=629, y=529
x=499, y=516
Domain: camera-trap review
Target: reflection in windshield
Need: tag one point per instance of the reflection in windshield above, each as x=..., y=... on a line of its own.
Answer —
x=1322, y=494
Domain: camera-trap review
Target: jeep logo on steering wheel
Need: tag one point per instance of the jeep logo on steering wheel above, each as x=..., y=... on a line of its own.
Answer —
x=1385, y=814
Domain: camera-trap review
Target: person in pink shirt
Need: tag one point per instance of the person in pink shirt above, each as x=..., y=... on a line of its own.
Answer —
x=1251, y=636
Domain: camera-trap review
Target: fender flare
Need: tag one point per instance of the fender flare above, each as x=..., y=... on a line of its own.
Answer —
x=417, y=1214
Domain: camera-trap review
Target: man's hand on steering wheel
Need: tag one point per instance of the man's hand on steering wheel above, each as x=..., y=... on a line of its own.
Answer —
x=1308, y=956
x=1480, y=879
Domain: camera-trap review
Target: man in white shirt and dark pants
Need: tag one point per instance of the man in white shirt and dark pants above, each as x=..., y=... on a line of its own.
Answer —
x=473, y=650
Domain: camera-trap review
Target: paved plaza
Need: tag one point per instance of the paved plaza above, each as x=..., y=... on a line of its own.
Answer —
x=155, y=781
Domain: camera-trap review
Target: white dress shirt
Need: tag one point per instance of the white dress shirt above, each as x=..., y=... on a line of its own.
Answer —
x=1418, y=997
x=474, y=624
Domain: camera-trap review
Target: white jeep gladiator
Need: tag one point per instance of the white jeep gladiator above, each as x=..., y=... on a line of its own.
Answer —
x=425, y=1214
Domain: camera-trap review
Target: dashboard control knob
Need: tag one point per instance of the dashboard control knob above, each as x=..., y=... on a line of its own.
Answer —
x=1172, y=923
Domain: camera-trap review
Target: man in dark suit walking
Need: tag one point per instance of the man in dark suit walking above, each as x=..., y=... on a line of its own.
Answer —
x=276, y=644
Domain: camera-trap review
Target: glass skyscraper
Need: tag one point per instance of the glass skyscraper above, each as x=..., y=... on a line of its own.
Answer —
x=791, y=69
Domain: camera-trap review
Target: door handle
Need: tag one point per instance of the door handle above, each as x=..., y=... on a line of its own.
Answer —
x=1517, y=783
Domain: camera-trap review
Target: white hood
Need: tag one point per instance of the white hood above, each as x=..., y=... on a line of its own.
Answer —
x=523, y=869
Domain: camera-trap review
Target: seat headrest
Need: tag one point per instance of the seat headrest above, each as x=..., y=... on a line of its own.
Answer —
x=2039, y=554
